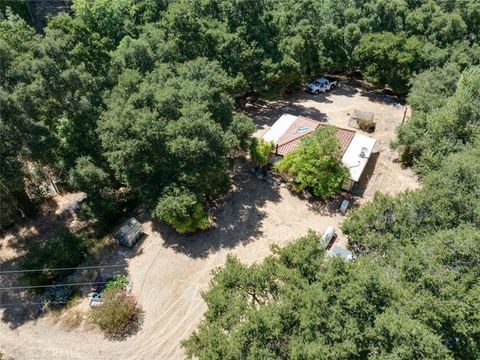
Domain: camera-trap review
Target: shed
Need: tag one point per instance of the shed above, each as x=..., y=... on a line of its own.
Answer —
x=362, y=115
x=356, y=158
x=358, y=117
x=129, y=233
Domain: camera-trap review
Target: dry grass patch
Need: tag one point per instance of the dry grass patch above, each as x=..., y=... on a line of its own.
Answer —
x=72, y=319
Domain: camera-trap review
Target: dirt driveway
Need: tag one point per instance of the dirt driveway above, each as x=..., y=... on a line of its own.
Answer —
x=170, y=271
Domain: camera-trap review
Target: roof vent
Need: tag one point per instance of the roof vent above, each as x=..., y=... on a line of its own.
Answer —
x=364, y=152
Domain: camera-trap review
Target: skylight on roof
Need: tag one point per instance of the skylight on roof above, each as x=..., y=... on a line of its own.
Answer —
x=302, y=129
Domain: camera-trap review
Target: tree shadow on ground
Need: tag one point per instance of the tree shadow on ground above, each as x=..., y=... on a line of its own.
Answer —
x=18, y=306
x=21, y=305
x=381, y=97
x=265, y=113
x=331, y=207
x=343, y=89
x=237, y=221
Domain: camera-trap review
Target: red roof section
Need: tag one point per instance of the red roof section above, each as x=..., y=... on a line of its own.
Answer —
x=300, y=127
x=291, y=139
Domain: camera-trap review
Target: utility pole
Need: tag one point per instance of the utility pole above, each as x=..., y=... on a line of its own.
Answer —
x=404, y=115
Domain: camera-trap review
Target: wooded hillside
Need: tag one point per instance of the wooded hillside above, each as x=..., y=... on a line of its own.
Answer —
x=109, y=96
x=133, y=101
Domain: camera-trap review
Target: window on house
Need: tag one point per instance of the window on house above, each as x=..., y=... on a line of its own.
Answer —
x=302, y=129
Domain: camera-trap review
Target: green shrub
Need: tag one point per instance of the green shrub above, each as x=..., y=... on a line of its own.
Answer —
x=260, y=151
x=103, y=202
x=58, y=296
x=181, y=209
x=367, y=125
x=117, y=313
x=63, y=250
x=315, y=164
x=9, y=213
x=116, y=282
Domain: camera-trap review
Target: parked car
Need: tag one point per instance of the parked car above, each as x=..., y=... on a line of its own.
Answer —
x=327, y=236
x=321, y=85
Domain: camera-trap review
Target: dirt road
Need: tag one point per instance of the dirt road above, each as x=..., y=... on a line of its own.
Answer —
x=170, y=271
x=169, y=276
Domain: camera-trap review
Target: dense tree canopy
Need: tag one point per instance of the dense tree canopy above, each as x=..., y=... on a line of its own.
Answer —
x=388, y=58
x=116, y=77
x=316, y=164
x=173, y=129
x=444, y=119
x=297, y=304
x=132, y=99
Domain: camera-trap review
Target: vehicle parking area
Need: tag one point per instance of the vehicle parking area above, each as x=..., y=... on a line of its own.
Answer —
x=170, y=271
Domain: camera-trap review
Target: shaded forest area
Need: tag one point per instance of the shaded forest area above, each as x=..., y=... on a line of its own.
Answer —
x=36, y=12
x=137, y=94
x=132, y=100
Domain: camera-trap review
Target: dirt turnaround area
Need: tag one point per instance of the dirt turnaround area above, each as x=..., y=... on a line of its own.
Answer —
x=170, y=271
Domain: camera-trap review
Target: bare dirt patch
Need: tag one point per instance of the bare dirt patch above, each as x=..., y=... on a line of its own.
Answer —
x=170, y=271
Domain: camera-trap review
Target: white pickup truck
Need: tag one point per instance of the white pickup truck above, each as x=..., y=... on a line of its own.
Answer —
x=321, y=85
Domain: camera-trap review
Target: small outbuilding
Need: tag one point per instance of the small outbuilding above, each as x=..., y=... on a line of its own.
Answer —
x=356, y=157
x=327, y=236
x=129, y=233
x=363, y=120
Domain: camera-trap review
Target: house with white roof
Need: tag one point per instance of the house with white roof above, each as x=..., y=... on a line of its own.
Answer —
x=356, y=148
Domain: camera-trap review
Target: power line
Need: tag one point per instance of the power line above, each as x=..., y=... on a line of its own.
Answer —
x=32, y=303
x=52, y=285
x=60, y=269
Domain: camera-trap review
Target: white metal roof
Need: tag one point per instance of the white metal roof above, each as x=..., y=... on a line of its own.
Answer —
x=352, y=158
x=279, y=128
